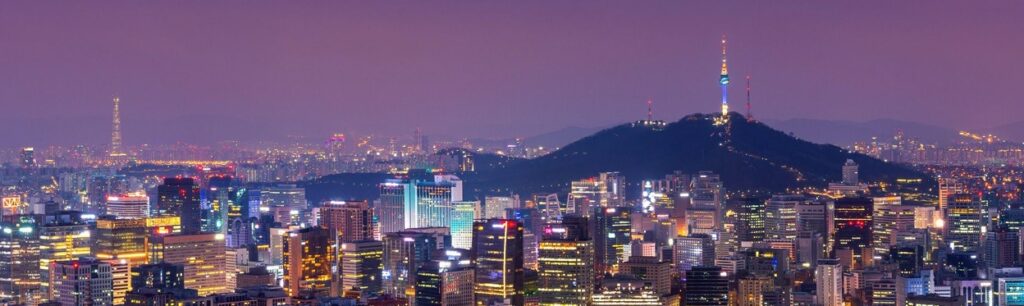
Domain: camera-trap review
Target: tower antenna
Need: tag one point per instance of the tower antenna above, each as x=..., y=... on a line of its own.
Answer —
x=724, y=81
x=750, y=116
x=650, y=112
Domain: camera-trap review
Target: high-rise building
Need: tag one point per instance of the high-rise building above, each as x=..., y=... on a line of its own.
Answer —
x=551, y=208
x=750, y=225
x=446, y=281
x=811, y=217
x=28, y=157
x=120, y=271
x=693, y=251
x=115, y=131
x=656, y=273
x=204, y=258
x=852, y=223
x=463, y=215
x=391, y=206
x=404, y=253
x=751, y=290
x=947, y=188
x=84, y=281
x=965, y=217
x=605, y=190
x=498, y=253
x=829, y=278
x=612, y=233
x=128, y=206
x=851, y=173
x=361, y=263
x=887, y=220
x=308, y=258
x=62, y=236
x=160, y=276
x=126, y=239
x=706, y=286
x=566, y=263
x=414, y=204
x=348, y=221
x=289, y=196
x=19, y=260
x=780, y=217
x=495, y=207
x=180, y=197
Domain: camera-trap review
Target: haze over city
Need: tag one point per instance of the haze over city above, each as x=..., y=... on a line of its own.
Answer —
x=200, y=72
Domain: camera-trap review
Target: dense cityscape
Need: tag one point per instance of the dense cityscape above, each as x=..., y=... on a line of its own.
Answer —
x=713, y=208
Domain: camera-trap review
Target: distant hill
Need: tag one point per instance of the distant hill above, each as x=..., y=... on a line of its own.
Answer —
x=844, y=133
x=552, y=139
x=748, y=155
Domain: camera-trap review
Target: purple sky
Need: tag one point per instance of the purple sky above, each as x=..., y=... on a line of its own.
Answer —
x=202, y=70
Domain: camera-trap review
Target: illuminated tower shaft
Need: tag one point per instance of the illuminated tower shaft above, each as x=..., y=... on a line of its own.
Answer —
x=115, y=135
x=724, y=80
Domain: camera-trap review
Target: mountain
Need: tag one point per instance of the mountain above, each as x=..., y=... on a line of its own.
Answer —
x=552, y=139
x=847, y=132
x=747, y=155
x=1013, y=131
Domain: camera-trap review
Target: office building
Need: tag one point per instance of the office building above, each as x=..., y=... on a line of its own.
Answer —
x=348, y=221
x=308, y=257
x=706, y=286
x=180, y=197
x=204, y=259
x=128, y=206
x=404, y=253
x=463, y=215
x=20, y=279
x=498, y=254
x=63, y=236
x=84, y=281
x=565, y=264
x=361, y=264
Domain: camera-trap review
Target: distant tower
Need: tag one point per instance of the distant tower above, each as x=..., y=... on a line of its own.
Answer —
x=750, y=116
x=851, y=173
x=650, y=111
x=115, y=135
x=724, y=80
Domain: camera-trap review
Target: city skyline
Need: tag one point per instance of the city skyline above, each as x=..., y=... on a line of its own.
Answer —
x=203, y=73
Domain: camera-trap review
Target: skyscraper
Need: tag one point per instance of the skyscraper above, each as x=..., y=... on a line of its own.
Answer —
x=404, y=253
x=348, y=221
x=851, y=173
x=611, y=228
x=566, y=264
x=308, y=258
x=706, y=286
x=115, y=132
x=852, y=224
x=693, y=251
x=780, y=217
x=19, y=260
x=128, y=206
x=498, y=253
x=204, y=258
x=446, y=281
x=829, y=279
x=63, y=236
x=965, y=217
x=122, y=239
x=361, y=263
x=180, y=197
x=463, y=215
x=751, y=220
x=84, y=281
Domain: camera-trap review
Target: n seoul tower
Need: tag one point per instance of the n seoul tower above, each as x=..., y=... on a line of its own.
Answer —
x=724, y=81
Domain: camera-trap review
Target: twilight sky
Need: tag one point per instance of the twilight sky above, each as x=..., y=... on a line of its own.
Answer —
x=209, y=70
